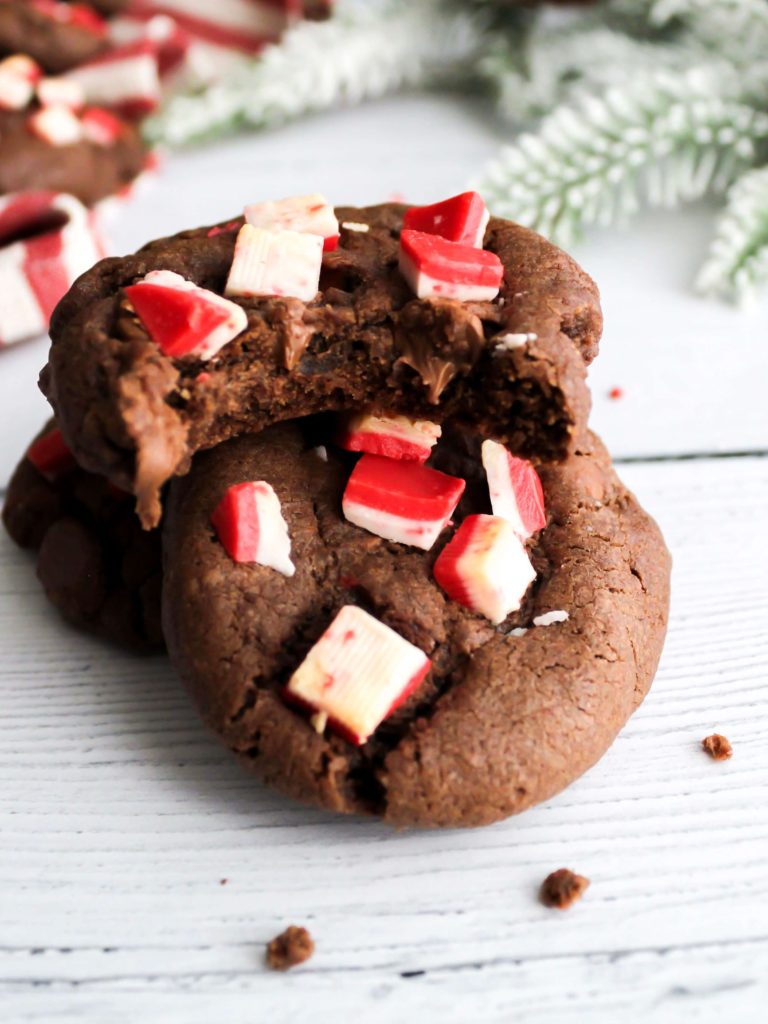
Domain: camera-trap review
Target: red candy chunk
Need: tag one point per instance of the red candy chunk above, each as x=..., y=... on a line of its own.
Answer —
x=437, y=268
x=515, y=488
x=401, y=501
x=462, y=219
x=182, y=319
x=100, y=126
x=397, y=437
x=56, y=125
x=50, y=455
x=357, y=673
x=81, y=15
x=249, y=523
x=485, y=567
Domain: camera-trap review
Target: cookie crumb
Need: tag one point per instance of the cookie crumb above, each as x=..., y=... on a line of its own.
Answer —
x=562, y=888
x=718, y=747
x=291, y=947
x=223, y=881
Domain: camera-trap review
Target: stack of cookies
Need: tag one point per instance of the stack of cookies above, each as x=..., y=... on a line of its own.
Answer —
x=338, y=462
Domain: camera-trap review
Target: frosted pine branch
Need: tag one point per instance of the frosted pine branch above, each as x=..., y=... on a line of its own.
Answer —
x=663, y=138
x=362, y=53
x=558, y=62
x=737, y=263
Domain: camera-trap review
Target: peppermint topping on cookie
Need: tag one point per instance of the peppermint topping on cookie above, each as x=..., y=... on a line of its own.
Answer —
x=100, y=126
x=312, y=215
x=401, y=501
x=357, y=673
x=249, y=523
x=18, y=75
x=183, y=319
x=284, y=263
x=60, y=92
x=81, y=15
x=56, y=125
x=515, y=488
x=461, y=218
x=126, y=78
x=485, y=567
x=47, y=240
x=437, y=268
x=50, y=454
x=397, y=437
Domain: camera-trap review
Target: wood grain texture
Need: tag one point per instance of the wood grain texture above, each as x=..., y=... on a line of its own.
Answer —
x=119, y=817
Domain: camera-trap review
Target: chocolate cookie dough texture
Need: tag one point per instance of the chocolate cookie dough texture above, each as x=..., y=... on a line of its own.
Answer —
x=51, y=140
x=513, y=368
x=95, y=563
x=58, y=36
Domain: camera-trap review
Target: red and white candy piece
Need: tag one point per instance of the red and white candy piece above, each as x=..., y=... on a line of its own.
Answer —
x=101, y=127
x=244, y=25
x=50, y=454
x=275, y=263
x=437, y=268
x=47, y=240
x=249, y=523
x=461, y=218
x=357, y=673
x=126, y=79
x=182, y=318
x=60, y=92
x=515, y=488
x=485, y=567
x=81, y=15
x=18, y=76
x=396, y=437
x=56, y=125
x=401, y=501
x=312, y=215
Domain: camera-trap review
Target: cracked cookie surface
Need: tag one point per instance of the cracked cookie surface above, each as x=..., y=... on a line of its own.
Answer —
x=502, y=721
x=135, y=415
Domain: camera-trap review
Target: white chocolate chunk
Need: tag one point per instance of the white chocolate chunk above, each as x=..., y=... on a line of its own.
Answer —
x=549, y=618
x=275, y=263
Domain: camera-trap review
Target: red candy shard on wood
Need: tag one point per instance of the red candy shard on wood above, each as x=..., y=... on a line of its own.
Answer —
x=249, y=523
x=50, y=454
x=401, y=501
x=357, y=674
x=183, y=319
x=461, y=218
x=515, y=489
x=485, y=567
x=396, y=437
x=437, y=268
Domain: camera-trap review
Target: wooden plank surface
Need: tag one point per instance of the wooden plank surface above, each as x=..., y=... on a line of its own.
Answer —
x=120, y=816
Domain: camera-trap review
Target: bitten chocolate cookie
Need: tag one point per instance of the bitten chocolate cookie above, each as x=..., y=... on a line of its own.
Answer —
x=96, y=564
x=512, y=366
x=505, y=716
x=58, y=36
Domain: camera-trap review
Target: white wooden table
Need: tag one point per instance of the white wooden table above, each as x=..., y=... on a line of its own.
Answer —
x=120, y=816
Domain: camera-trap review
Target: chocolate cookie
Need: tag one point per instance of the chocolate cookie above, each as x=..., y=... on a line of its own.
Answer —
x=96, y=564
x=57, y=36
x=507, y=716
x=87, y=169
x=513, y=368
